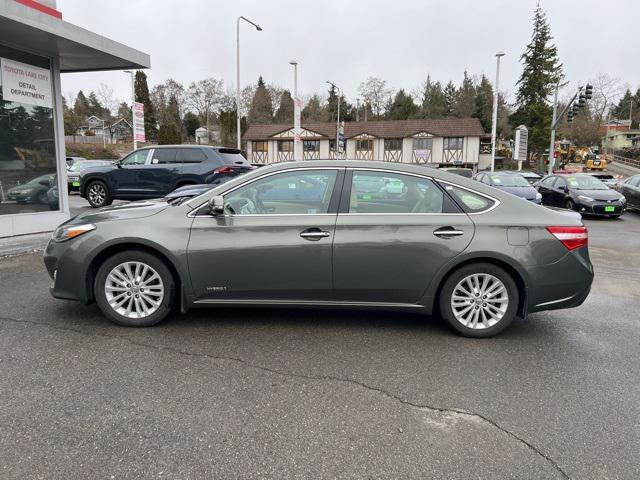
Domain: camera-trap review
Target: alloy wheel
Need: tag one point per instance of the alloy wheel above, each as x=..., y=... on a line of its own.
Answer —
x=134, y=290
x=97, y=194
x=479, y=301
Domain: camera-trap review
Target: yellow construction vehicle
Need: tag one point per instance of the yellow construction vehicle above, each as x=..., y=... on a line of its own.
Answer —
x=594, y=162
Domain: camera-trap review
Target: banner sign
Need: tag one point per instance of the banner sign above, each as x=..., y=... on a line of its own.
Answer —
x=24, y=83
x=138, y=122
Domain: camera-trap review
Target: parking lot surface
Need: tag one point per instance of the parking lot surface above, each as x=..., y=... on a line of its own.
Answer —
x=259, y=393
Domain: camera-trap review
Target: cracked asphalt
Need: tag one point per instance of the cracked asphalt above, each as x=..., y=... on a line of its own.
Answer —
x=258, y=393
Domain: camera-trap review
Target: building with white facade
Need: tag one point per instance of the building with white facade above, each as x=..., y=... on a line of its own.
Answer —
x=36, y=47
x=442, y=142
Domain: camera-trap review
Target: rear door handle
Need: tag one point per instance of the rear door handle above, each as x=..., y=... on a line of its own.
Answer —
x=314, y=234
x=447, y=232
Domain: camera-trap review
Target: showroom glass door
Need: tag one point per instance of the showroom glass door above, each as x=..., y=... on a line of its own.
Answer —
x=28, y=174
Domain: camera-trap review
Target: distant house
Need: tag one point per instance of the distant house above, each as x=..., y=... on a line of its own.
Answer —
x=441, y=142
x=204, y=137
x=619, y=139
x=117, y=132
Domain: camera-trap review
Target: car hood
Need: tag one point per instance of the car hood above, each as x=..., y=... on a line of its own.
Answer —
x=189, y=191
x=131, y=210
x=602, y=195
x=96, y=169
x=524, y=192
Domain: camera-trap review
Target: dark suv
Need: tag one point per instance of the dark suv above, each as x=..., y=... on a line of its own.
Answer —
x=153, y=172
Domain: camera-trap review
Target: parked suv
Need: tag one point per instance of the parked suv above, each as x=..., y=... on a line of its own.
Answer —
x=155, y=171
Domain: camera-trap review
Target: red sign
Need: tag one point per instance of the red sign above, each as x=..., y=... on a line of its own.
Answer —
x=41, y=8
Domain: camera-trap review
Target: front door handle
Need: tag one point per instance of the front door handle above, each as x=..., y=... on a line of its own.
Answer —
x=447, y=232
x=314, y=234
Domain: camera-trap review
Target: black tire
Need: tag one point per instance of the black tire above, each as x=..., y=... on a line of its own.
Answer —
x=98, y=194
x=450, y=284
x=42, y=198
x=168, y=283
x=570, y=204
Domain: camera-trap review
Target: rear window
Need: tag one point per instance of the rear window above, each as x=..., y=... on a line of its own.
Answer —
x=232, y=156
x=469, y=201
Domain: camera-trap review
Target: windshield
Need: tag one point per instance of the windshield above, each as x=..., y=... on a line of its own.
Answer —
x=509, y=181
x=586, y=183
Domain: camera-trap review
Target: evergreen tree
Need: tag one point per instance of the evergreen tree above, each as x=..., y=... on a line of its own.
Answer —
x=313, y=111
x=347, y=113
x=173, y=111
x=81, y=106
x=261, y=110
x=433, y=101
x=124, y=111
x=465, y=102
x=622, y=110
x=402, y=107
x=450, y=98
x=484, y=103
x=190, y=123
x=284, y=114
x=142, y=96
x=169, y=134
x=95, y=108
x=541, y=72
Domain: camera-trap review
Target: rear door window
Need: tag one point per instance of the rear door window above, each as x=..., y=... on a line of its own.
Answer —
x=232, y=156
x=163, y=156
x=191, y=155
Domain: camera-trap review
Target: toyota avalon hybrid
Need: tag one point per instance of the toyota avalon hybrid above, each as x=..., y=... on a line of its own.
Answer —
x=328, y=234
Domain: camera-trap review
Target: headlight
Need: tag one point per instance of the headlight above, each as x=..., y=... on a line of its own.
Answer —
x=623, y=199
x=584, y=198
x=538, y=196
x=67, y=232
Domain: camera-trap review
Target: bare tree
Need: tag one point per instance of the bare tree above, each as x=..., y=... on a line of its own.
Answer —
x=607, y=91
x=205, y=98
x=377, y=93
x=106, y=98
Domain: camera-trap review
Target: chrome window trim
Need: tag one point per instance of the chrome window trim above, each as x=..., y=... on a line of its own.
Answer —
x=193, y=215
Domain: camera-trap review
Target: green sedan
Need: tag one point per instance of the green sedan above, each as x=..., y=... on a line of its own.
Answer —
x=435, y=243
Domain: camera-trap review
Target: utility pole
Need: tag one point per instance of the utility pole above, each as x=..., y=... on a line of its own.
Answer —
x=296, y=113
x=552, y=143
x=357, y=109
x=494, y=120
x=259, y=28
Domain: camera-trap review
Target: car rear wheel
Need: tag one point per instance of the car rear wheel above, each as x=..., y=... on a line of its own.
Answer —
x=134, y=289
x=479, y=300
x=98, y=194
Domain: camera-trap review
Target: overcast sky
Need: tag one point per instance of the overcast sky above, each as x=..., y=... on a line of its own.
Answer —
x=401, y=41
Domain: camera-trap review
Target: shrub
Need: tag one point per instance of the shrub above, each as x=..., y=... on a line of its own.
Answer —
x=169, y=135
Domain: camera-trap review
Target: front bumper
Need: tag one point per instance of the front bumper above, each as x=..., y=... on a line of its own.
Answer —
x=73, y=184
x=601, y=208
x=20, y=197
x=63, y=263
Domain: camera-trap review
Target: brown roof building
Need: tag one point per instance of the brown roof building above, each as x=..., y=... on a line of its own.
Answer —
x=440, y=142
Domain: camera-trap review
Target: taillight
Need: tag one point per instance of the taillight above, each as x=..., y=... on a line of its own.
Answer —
x=571, y=237
x=226, y=169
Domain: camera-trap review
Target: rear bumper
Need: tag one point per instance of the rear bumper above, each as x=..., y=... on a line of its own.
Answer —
x=564, y=284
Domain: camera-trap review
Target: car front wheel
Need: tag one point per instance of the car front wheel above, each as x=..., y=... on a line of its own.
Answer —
x=134, y=289
x=479, y=300
x=98, y=195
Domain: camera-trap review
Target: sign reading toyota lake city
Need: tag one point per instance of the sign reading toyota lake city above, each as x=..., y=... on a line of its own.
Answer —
x=138, y=121
x=26, y=84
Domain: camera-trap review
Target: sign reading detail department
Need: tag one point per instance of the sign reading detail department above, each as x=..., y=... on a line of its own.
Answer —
x=25, y=84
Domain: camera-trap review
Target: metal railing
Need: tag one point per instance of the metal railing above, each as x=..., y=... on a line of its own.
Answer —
x=631, y=162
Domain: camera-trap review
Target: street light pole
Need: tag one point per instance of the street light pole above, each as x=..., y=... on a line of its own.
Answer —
x=333, y=85
x=259, y=28
x=552, y=143
x=296, y=112
x=133, y=112
x=494, y=120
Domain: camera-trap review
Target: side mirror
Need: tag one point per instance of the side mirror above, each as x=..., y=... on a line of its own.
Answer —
x=216, y=205
x=45, y=183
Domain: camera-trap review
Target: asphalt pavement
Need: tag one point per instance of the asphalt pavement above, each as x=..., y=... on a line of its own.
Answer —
x=259, y=393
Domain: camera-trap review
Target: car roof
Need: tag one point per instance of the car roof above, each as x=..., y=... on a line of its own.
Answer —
x=188, y=145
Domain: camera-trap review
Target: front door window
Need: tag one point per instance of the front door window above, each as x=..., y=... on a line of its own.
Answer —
x=136, y=158
x=300, y=192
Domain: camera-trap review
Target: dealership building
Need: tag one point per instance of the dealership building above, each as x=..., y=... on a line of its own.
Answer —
x=36, y=46
x=441, y=142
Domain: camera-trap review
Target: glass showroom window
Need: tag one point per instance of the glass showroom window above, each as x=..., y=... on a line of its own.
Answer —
x=28, y=181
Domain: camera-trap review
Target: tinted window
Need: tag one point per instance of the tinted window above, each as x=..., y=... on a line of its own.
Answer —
x=191, y=155
x=471, y=202
x=232, y=156
x=165, y=155
x=548, y=181
x=509, y=181
x=307, y=192
x=560, y=183
x=138, y=157
x=586, y=182
x=381, y=192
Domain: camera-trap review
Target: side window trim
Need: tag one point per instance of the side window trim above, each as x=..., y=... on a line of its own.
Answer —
x=495, y=201
x=149, y=156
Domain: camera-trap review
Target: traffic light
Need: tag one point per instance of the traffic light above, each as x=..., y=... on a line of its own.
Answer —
x=582, y=100
x=575, y=108
x=588, y=91
x=570, y=116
